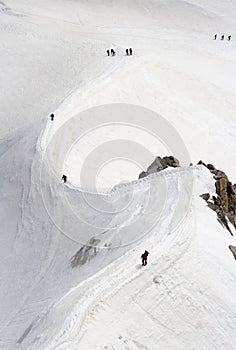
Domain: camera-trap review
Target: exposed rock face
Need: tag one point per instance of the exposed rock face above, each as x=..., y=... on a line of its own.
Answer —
x=160, y=164
x=233, y=250
x=221, y=190
x=224, y=204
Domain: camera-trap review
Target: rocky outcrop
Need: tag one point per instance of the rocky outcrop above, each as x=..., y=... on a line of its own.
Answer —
x=205, y=196
x=224, y=203
x=160, y=164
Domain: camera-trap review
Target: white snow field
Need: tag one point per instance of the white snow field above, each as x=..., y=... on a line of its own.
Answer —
x=70, y=270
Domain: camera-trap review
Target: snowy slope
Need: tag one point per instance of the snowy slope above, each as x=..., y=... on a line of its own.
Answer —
x=70, y=269
x=184, y=300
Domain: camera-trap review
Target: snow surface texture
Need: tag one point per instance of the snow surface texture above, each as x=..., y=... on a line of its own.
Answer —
x=70, y=256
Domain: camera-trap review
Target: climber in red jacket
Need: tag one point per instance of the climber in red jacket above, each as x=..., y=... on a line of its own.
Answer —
x=144, y=257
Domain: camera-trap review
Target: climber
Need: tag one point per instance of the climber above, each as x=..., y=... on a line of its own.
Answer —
x=108, y=52
x=215, y=37
x=64, y=178
x=130, y=52
x=127, y=52
x=113, y=52
x=144, y=257
x=52, y=116
x=222, y=37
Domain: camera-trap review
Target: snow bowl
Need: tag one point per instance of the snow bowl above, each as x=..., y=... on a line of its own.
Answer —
x=101, y=150
x=90, y=146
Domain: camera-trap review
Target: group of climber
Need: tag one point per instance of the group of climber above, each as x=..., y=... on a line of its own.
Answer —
x=144, y=256
x=222, y=37
x=129, y=52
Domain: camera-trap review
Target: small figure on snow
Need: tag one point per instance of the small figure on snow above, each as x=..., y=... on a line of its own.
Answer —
x=215, y=37
x=229, y=37
x=52, y=116
x=131, y=51
x=127, y=52
x=222, y=37
x=144, y=258
x=108, y=52
x=113, y=52
x=64, y=178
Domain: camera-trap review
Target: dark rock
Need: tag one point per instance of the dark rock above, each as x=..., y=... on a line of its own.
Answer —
x=212, y=206
x=230, y=188
x=219, y=175
x=142, y=174
x=171, y=161
x=211, y=167
x=224, y=204
x=217, y=201
x=201, y=163
x=215, y=171
x=232, y=218
x=223, y=220
x=233, y=250
x=205, y=196
x=157, y=166
x=221, y=190
x=232, y=202
x=160, y=164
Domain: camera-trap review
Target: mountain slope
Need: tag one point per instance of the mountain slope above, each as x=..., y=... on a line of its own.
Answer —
x=70, y=253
